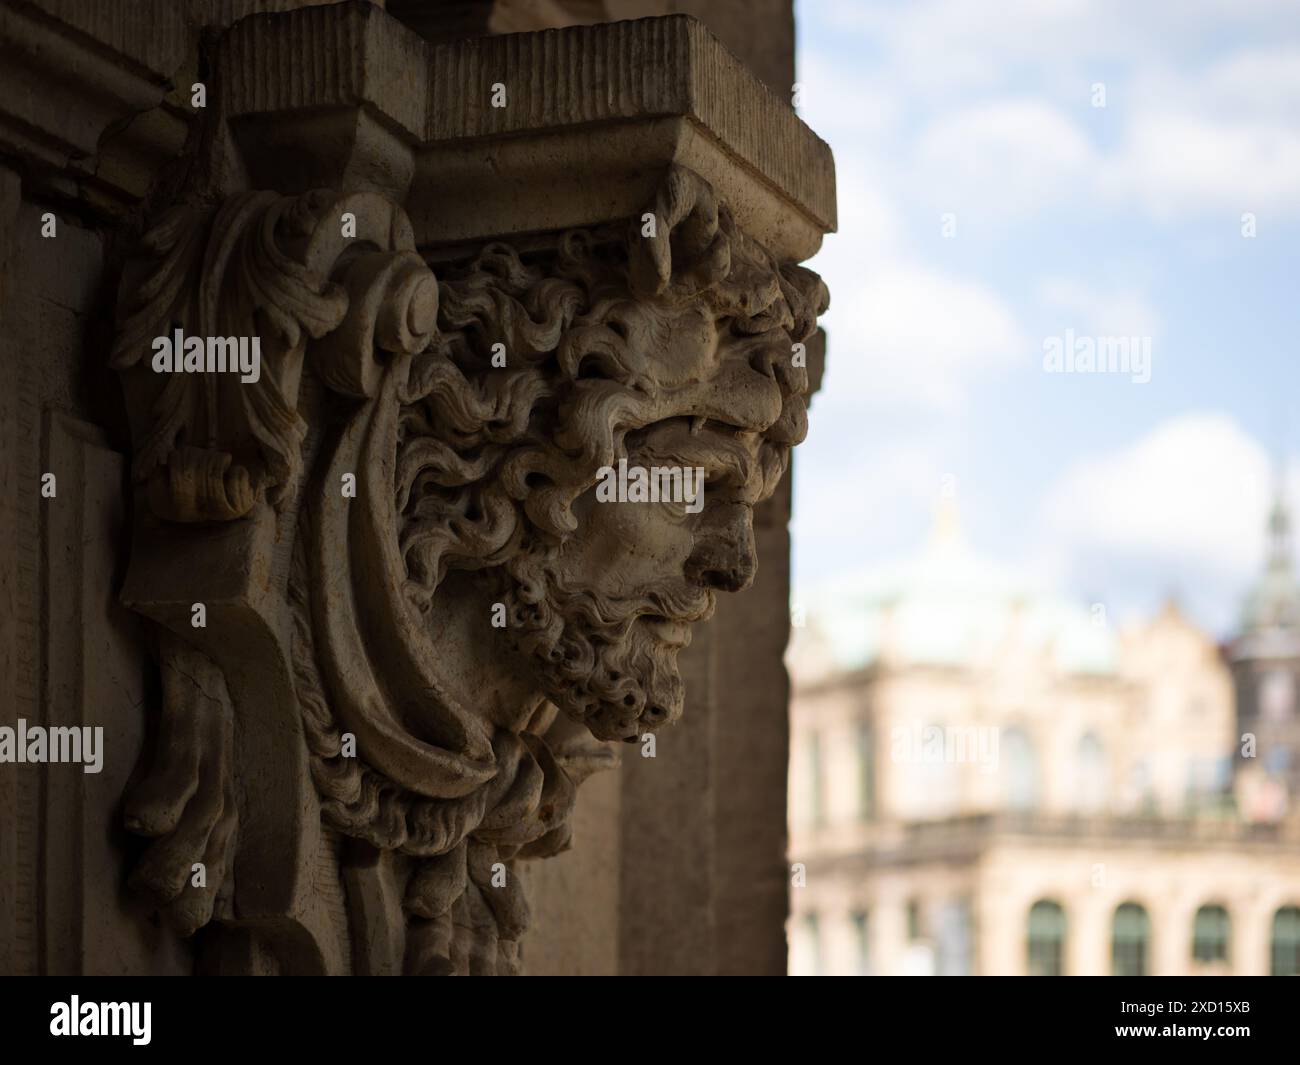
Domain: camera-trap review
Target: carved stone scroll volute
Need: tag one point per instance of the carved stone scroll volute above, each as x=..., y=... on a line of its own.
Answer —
x=218, y=467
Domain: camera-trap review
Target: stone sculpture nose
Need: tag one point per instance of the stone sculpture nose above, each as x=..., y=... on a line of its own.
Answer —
x=724, y=556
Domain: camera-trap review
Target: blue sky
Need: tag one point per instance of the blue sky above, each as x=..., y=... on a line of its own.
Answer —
x=1116, y=220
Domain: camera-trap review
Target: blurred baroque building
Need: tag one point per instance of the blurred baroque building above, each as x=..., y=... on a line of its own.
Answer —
x=986, y=779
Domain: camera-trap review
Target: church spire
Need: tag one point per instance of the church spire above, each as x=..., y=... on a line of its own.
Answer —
x=1274, y=601
x=1279, y=526
x=946, y=530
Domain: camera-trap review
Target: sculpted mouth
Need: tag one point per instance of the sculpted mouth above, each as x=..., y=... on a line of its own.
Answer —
x=674, y=634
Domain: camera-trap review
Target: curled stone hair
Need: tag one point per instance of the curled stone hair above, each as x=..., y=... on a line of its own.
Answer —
x=493, y=457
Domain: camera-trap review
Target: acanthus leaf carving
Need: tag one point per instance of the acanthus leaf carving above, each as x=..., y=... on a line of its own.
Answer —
x=261, y=266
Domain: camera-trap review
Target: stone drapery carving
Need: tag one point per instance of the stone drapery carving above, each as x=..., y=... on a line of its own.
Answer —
x=473, y=487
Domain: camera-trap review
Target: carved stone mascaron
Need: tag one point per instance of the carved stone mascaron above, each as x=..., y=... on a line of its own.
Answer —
x=394, y=628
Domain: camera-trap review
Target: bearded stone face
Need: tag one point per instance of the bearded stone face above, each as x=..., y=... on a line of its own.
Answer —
x=679, y=355
x=605, y=620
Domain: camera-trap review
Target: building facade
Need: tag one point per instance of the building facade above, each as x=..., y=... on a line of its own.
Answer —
x=988, y=779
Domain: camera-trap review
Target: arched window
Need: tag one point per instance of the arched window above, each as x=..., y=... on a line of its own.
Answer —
x=1020, y=779
x=913, y=920
x=1093, y=780
x=1046, y=939
x=1286, y=942
x=1210, y=932
x=1129, y=940
x=861, y=942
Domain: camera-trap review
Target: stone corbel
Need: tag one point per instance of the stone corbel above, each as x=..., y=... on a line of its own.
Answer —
x=313, y=631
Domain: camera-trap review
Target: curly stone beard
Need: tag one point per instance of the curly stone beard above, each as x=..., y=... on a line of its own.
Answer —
x=605, y=661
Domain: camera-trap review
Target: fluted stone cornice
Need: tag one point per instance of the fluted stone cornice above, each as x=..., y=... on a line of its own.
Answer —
x=594, y=115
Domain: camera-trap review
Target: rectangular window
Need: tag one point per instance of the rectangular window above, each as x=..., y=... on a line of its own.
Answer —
x=812, y=931
x=913, y=920
x=866, y=773
x=816, y=785
x=954, y=939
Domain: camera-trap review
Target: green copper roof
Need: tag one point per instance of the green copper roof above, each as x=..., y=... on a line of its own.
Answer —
x=949, y=606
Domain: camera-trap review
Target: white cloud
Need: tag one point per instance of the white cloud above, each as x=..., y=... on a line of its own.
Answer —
x=847, y=98
x=1182, y=507
x=959, y=45
x=1100, y=313
x=1004, y=157
x=870, y=233
x=1262, y=80
x=903, y=332
x=855, y=499
x=955, y=45
x=908, y=334
x=1179, y=162
x=944, y=101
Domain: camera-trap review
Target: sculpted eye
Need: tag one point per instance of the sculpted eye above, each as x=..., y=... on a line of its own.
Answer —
x=591, y=368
